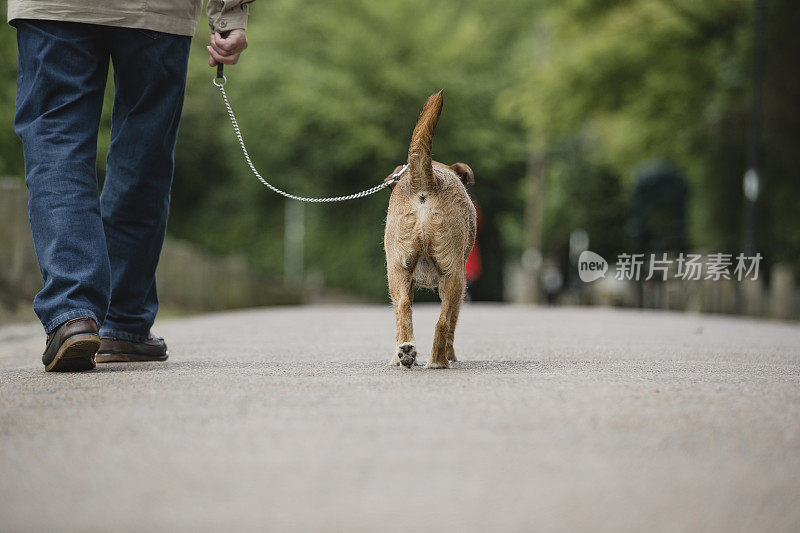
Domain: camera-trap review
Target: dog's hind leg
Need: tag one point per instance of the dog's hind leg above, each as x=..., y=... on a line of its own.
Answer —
x=451, y=291
x=402, y=292
x=451, y=353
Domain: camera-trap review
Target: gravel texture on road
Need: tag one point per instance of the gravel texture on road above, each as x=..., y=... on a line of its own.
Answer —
x=554, y=419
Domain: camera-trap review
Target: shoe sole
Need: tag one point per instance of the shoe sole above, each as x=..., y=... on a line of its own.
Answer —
x=129, y=358
x=76, y=354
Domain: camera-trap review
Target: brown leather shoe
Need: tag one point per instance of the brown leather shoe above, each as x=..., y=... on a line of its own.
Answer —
x=121, y=351
x=71, y=346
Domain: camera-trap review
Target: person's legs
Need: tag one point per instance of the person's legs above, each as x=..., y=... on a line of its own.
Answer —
x=61, y=80
x=150, y=78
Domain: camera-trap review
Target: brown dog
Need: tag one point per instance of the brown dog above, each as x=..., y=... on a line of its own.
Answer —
x=430, y=230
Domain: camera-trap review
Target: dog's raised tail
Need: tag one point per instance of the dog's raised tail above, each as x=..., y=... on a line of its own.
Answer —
x=419, y=153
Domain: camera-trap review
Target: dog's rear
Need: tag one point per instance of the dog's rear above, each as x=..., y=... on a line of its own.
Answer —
x=430, y=230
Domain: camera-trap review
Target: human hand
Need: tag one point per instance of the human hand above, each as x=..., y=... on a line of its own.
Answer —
x=226, y=50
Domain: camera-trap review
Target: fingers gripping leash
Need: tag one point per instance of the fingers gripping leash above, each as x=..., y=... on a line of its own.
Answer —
x=219, y=82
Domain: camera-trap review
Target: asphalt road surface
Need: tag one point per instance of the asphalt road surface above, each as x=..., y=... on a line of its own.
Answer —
x=290, y=419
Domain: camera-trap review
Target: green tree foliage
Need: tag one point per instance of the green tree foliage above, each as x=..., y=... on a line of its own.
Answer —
x=327, y=95
x=328, y=92
x=640, y=80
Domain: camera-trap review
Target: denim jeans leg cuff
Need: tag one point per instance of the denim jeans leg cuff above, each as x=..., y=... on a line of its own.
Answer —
x=69, y=315
x=124, y=335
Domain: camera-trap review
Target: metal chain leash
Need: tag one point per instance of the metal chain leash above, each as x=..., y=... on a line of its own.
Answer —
x=372, y=190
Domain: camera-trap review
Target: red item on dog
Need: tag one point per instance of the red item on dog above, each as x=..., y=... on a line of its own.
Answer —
x=473, y=267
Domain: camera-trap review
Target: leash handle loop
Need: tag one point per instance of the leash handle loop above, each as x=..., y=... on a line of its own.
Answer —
x=220, y=66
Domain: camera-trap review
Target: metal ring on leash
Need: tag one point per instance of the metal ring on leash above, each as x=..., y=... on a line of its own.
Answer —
x=372, y=190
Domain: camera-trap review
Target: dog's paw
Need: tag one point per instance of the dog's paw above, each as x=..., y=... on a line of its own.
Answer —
x=405, y=354
x=451, y=356
x=437, y=364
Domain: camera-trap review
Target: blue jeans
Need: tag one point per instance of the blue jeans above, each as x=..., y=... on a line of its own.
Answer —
x=98, y=252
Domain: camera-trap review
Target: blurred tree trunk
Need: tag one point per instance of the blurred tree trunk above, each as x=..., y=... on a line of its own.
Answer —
x=534, y=211
x=534, y=186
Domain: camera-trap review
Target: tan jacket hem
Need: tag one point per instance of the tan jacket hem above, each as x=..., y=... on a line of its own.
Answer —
x=140, y=20
x=223, y=15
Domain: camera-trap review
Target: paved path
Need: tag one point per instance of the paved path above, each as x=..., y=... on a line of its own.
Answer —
x=555, y=420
